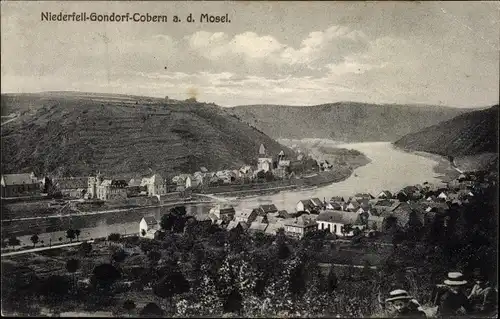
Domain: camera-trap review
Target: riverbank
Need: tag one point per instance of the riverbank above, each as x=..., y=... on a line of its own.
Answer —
x=445, y=170
x=316, y=180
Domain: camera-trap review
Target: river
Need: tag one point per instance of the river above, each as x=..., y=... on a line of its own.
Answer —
x=390, y=169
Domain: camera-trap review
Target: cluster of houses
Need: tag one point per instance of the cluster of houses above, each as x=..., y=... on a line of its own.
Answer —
x=363, y=213
x=98, y=187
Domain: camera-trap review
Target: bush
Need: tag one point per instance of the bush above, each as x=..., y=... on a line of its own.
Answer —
x=114, y=237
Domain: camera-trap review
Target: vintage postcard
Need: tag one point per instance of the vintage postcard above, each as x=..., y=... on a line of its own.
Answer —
x=249, y=158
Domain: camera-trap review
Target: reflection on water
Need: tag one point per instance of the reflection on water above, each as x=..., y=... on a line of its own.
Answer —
x=389, y=169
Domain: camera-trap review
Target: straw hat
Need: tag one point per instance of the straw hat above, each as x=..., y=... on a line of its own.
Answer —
x=455, y=279
x=398, y=294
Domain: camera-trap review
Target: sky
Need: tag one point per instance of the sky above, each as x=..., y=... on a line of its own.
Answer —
x=293, y=53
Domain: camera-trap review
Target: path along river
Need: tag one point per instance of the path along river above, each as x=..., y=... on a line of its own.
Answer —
x=390, y=169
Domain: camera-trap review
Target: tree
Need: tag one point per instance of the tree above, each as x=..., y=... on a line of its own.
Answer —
x=114, y=237
x=72, y=266
x=172, y=284
x=261, y=175
x=346, y=229
x=77, y=233
x=60, y=239
x=331, y=280
x=269, y=176
x=143, y=232
x=70, y=234
x=167, y=221
x=154, y=256
x=129, y=305
x=118, y=255
x=105, y=275
x=85, y=248
x=34, y=239
x=151, y=310
x=283, y=250
x=233, y=302
x=13, y=241
x=55, y=288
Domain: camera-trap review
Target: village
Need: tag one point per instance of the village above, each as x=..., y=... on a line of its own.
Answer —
x=362, y=214
x=268, y=169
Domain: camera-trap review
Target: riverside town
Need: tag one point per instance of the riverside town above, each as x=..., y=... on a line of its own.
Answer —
x=317, y=159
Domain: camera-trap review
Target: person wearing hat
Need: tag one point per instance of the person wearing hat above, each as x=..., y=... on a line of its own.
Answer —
x=402, y=305
x=482, y=296
x=454, y=301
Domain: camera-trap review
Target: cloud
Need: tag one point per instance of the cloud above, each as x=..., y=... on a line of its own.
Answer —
x=252, y=50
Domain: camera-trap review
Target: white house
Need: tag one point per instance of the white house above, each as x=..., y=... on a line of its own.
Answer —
x=308, y=205
x=245, y=171
x=264, y=164
x=334, y=221
x=222, y=212
x=148, y=227
x=443, y=196
x=246, y=216
x=183, y=181
x=155, y=185
x=298, y=227
x=385, y=194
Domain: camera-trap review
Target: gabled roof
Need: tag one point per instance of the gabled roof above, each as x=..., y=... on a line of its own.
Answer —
x=71, y=182
x=316, y=202
x=378, y=220
x=258, y=226
x=261, y=219
x=106, y=182
x=302, y=221
x=134, y=182
x=17, y=179
x=337, y=199
x=385, y=193
x=385, y=202
x=227, y=210
x=244, y=213
x=338, y=217
x=268, y=208
x=150, y=220
x=334, y=206
x=363, y=195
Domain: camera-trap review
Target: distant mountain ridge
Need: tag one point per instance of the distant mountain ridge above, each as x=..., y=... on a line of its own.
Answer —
x=344, y=121
x=469, y=137
x=76, y=134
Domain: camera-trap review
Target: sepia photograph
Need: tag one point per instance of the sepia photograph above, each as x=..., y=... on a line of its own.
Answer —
x=243, y=159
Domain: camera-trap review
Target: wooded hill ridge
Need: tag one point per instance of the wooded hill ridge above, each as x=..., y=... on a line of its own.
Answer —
x=344, y=121
x=76, y=134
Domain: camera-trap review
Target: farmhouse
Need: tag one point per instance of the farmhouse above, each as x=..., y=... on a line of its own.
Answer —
x=148, y=227
x=155, y=185
x=245, y=216
x=74, y=187
x=225, y=213
x=263, y=210
x=111, y=189
x=308, y=205
x=183, y=182
x=15, y=185
x=385, y=195
x=337, y=222
x=300, y=226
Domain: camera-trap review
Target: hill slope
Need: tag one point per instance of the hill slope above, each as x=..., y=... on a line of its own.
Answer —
x=470, y=137
x=344, y=121
x=78, y=135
